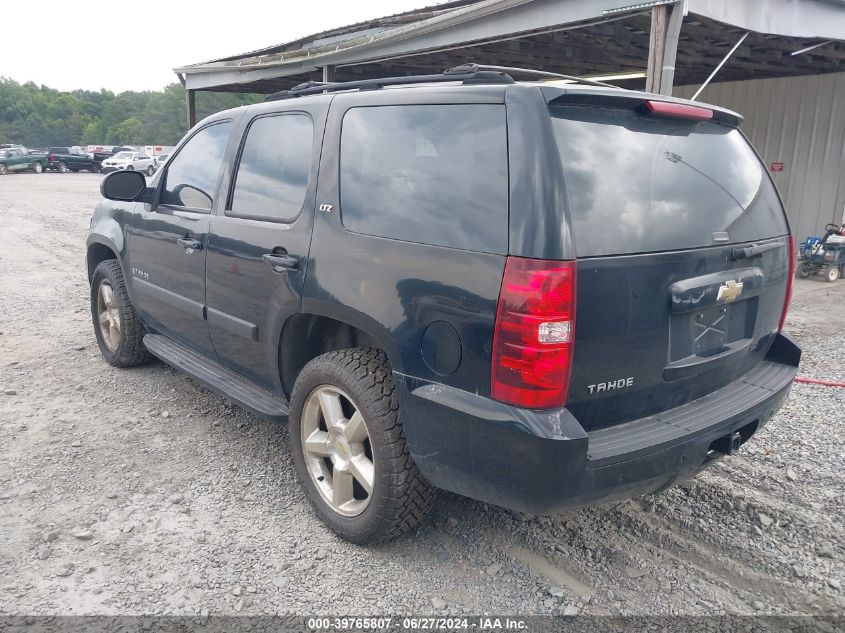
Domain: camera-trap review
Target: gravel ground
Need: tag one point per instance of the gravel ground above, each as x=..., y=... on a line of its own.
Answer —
x=137, y=491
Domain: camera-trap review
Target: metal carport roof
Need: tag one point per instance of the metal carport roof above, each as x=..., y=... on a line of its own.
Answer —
x=573, y=36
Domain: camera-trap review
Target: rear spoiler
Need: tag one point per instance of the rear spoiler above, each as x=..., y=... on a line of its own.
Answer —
x=645, y=103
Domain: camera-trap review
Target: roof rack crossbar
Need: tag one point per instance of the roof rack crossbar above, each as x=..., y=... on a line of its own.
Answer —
x=466, y=73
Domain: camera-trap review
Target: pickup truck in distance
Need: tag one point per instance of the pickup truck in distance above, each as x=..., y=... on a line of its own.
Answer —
x=64, y=159
x=536, y=296
x=19, y=159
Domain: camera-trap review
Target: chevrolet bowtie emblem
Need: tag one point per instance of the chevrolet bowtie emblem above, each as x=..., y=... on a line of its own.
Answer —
x=729, y=291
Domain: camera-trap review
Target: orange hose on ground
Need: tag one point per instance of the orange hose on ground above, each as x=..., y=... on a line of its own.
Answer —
x=816, y=381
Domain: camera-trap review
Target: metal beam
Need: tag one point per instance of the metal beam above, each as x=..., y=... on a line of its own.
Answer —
x=328, y=73
x=191, y=107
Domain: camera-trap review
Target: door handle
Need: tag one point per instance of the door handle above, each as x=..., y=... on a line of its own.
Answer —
x=190, y=243
x=280, y=262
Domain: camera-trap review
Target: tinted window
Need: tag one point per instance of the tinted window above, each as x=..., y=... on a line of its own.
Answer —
x=59, y=150
x=191, y=176
x=436, y=174
x=273, y=171
x=641, y=184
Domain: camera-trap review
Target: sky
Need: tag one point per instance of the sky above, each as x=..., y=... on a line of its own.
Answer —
x=135, y=46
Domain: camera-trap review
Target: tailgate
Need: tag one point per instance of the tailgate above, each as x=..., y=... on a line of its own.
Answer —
x=655, y=331
x=683, y=258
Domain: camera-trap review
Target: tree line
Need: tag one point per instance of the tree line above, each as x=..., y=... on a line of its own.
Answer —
x=38, y=116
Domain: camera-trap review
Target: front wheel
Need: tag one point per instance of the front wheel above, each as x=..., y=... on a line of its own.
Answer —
x=62, y=168
x=805, y=270
x=832, y=273
x=349, y=447
x=3, y=170
x=38, y=168
x=117, y=327
x=150, y=171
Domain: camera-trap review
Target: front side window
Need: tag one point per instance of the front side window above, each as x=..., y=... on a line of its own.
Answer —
x=191, y=178
x=272, y=177
x=433, y=174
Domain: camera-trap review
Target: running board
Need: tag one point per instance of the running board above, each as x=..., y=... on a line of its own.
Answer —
x=219, y=379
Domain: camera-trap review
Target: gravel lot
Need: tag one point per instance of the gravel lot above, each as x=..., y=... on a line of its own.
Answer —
x=137, y=491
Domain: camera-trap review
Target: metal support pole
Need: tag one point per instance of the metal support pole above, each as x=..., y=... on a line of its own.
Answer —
x=670, y=48
x=191, y=106
x=656, y=43
x=328, y=73
x=721, y=63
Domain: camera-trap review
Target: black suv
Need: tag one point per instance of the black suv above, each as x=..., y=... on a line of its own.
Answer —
x=537, y=296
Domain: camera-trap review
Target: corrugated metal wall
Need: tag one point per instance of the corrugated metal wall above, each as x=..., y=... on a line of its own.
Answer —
x=800, y=122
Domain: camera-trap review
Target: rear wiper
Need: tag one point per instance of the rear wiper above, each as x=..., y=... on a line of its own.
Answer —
x=749, y=252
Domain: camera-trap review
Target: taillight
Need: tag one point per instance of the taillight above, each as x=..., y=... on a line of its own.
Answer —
x=678, y=110
x=790, y=271
x=534, y=334
x=51, y=158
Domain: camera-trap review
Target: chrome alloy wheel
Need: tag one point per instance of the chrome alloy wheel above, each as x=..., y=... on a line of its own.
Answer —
x=108, y=315
x=337, y=450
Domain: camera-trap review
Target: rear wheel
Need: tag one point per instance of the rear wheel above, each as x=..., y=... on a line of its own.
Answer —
x=349, y=447
x=38, y=168
x=117, y=327
x=832, y=273
x=805, y=270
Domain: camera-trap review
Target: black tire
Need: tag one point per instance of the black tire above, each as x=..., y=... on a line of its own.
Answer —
x=401, y=497
x=805, y=270
x=62, y=167
x=150, y=171
x=38, y=168
x=130, y=168
x=130, y=349
x=3, y=170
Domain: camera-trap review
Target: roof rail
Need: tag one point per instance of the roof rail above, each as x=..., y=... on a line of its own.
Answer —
x=466, y=73
x=542, y=73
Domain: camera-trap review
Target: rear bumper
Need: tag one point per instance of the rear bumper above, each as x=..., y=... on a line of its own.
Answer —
x=544, y=462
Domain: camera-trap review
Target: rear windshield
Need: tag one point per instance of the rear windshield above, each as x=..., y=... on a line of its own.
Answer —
x=640, y=184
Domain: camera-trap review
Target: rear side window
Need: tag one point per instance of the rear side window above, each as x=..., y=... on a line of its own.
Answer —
x=191, y=178
x=640, y=184
x=434, y=174
x=272, y=176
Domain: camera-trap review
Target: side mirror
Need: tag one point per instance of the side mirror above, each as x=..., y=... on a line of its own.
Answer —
x=126, y=186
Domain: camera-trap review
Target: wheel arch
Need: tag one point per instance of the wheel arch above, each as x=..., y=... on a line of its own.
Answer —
x=98, y=249
x=307, y=335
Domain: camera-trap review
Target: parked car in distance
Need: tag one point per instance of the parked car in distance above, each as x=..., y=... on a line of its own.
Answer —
x=536, y=296
x=20, y=159
x=64, y=159
x=160, y=160
x=130, y=161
